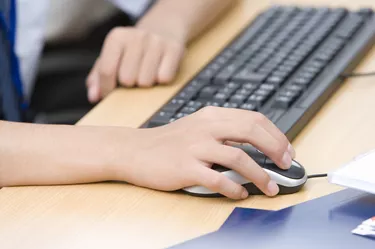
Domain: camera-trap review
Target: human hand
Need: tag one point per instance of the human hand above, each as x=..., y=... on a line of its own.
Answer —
x=134, y=57
x=181, y=153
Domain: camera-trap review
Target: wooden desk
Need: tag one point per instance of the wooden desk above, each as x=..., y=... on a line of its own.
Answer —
x=123, y=216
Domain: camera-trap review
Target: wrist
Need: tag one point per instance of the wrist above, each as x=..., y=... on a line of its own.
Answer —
x=170, y=27
x=118, y=153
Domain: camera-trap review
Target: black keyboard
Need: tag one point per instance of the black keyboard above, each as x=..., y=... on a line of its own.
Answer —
x=285, y=64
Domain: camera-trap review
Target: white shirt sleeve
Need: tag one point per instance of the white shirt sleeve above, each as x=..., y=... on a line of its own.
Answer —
x=31, y=21
x=41, y=20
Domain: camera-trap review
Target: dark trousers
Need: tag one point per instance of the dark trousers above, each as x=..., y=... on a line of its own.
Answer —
x=60, y=95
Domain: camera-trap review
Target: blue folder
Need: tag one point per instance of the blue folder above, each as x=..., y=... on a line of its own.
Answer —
x=239, y=215
x=325, y=222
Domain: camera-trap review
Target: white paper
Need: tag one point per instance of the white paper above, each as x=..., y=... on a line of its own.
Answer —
x=357, y=174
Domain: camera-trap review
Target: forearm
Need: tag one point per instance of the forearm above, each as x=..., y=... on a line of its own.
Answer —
x=183, y=19
x=47, y=154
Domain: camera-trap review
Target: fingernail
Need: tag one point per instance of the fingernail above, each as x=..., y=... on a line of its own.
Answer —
x=287, y=160
x=93, y=87
x=273, y=189
x=91, y=93
x=291, y=151
x=244, y=194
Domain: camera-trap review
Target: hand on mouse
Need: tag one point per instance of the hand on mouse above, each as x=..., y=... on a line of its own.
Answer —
x=181, y=153
x=167, y=158
x=134, y=57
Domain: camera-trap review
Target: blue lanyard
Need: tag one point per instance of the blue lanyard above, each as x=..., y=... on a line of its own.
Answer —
x=10, y=27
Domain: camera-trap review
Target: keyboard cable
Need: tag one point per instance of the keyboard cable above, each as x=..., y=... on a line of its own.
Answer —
x=317, y=176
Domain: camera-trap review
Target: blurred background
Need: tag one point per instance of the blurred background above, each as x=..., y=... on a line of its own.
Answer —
x=74, y=34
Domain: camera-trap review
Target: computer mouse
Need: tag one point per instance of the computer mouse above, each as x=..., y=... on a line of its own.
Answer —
x=289, y=181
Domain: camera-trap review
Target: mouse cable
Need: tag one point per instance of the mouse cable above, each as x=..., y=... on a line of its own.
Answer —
x=358, y=75
x=317, y=176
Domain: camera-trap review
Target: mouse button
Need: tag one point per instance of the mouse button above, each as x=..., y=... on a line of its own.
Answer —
x=219, y=168
x=294, y=172
x=255, y=154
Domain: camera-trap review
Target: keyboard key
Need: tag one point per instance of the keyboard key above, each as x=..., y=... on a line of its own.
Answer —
x=238, y=99
x=275, y=80
x=268, y=87
x=294, y=87
x=198, y=83
x=180, y=115
x=249, y=76
x=221, y=97
x=283, y=102
x=307, y=75
x=187, y=94
x=264, y=70
x=323, y=57
x=311, y=70
x=227, y=91
x=290, y=63
x=226, y=73
x=211, y=103
x=286, y=69
x=208, y=92
x=230, y=105
x=233, y=85
x=250, y=86
x=195, y=104
x=188, y=110
x=161, y=118
x=249, y=106
x=206, y=74
x=243, y=91
x=301, y=81
x=288, y=93
x=174, y=105
x=258, y=100
x=253, y=31
x=263, y=92
x=316, y=64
